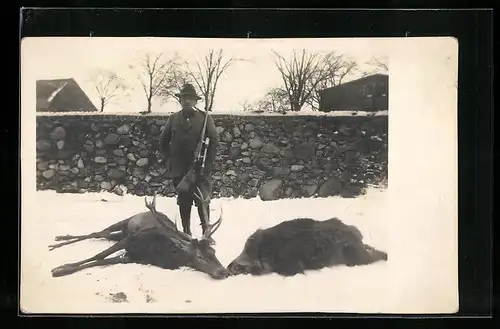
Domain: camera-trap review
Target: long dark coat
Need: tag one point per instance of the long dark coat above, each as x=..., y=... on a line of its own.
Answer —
x=180, y=137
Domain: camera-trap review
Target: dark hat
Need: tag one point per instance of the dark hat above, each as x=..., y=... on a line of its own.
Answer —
x=188, y=89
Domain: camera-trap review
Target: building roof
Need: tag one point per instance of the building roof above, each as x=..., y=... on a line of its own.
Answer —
x=356, y=81
x=47, y=90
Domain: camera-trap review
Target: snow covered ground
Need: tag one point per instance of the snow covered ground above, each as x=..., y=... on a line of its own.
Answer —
x=150, y=289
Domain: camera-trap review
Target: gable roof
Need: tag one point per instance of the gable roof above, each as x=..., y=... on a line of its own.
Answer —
x=47, y=90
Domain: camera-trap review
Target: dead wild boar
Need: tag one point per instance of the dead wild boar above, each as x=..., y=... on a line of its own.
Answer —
x=301, y=244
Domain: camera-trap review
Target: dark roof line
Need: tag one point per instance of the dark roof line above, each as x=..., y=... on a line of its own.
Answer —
x=357, y=80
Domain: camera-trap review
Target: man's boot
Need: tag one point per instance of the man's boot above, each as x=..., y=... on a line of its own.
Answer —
x=200, y=213
x=185, y=212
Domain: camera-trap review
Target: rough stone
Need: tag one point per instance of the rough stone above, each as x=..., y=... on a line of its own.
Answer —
x=236, y=132
x=155, y=130
x=249, y=127
x=44, y=165
x=58, y=134
x=43, y=145
x=302, y=152
x=255, y=143
x=111, y=139
x=227, y=137
x=309, y=190
x=117, y=174
x=253, y=182
x=131, y=157
x=142, y=162
x=123, y=130
x=330, y=187
x=106, y=186
x=234, y=152
x=118, y=190
x=296, y=168
x=100, y=159
x=231, y=173
x=278, y=171
x=270, y=189
x=270, y=148
x=64, y=167
x=60, y=144
x=48, y=174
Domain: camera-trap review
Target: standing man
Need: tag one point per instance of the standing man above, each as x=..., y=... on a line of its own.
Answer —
x=178, y=142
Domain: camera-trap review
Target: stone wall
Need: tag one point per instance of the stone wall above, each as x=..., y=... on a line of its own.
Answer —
x=271, y=156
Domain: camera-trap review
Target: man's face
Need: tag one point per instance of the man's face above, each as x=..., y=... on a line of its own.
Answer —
x=188, y=101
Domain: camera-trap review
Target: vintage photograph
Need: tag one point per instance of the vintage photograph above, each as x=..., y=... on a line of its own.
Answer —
x=175, y=175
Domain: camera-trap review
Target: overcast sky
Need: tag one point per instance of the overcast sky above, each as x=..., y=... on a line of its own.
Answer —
x=247, y=80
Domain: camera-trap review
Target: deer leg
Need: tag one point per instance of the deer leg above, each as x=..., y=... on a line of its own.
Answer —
x=62, y=271
x=74, y=267
x=108, y=233
x=113, y=228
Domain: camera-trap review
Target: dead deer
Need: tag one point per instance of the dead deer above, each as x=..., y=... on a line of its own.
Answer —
x=151, y=238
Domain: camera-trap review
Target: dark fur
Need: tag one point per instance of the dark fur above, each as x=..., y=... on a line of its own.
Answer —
x=297, y=245
x=151, y=246
x=148, y=238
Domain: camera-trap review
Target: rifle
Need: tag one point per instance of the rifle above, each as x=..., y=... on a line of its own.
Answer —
x=198, y=165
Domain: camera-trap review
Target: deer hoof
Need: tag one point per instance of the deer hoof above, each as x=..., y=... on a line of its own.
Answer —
x=64, y=270
x=62, y=237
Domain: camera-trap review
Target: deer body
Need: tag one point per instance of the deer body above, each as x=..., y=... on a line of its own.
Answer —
x=146, y=220
x=150, y=237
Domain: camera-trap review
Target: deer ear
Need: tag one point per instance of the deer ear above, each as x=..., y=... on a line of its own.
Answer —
x=207, y=242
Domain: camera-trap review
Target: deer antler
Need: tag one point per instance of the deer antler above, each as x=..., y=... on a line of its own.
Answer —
x=151, y=205
x=211, y=228
x=200, y=197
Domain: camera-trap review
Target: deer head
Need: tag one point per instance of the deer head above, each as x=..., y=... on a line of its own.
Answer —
x=201, y=254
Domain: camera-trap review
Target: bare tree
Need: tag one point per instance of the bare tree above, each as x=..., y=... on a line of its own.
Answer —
x=378, y=65
x=108, y=87
x=303, y=73
x=335, y=71
x=206, y=74
x=174, y=81
x=247, y=106
x=275, y=100
x=154, y=73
